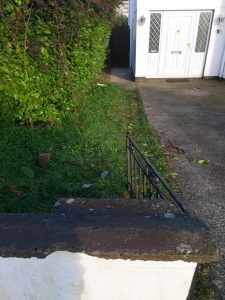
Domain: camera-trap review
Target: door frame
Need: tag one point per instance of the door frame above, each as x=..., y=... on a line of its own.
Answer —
x=195, y=31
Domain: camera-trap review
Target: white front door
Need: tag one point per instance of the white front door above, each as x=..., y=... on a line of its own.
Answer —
x=177, y=36
x=178, y=43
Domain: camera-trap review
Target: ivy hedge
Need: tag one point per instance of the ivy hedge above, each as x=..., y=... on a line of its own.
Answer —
x=50, y=53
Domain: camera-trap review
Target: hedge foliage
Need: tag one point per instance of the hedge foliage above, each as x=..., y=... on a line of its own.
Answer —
x=50, y=52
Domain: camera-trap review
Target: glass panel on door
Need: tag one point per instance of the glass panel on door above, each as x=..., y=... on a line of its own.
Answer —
x=154, y=36
x=203, y=32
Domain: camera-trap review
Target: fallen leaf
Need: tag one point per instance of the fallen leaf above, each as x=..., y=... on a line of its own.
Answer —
x=101, y=84
x=203, y=162
x=173, y=175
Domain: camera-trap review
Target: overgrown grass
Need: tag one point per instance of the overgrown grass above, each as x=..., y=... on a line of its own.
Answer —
x=88, y=142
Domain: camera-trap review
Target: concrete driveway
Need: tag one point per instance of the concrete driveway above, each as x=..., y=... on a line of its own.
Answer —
x=190, y=116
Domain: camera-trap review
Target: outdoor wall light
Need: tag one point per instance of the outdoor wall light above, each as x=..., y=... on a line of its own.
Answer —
x=141, y=20
x=221, y=19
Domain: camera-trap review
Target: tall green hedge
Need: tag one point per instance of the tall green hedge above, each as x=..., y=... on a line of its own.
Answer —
x=50, y=52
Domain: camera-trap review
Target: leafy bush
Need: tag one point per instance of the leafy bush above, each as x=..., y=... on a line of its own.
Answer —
x=50, y=52
x=121, y=20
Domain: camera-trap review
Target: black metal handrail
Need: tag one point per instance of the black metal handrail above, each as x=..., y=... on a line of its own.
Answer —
x=144, y=181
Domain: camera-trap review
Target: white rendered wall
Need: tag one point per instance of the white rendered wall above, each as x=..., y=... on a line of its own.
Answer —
x=76, y=276
x=216, y=44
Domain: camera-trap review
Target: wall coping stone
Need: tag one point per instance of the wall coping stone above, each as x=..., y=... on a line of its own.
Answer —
x=113, y=229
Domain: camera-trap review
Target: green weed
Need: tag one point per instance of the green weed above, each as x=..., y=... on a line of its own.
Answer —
x=203, y=288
